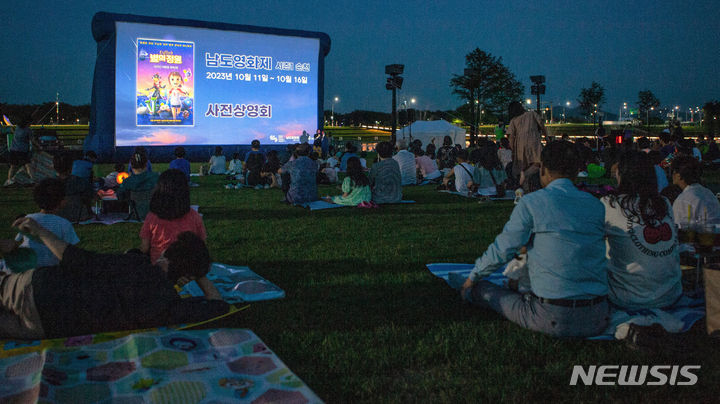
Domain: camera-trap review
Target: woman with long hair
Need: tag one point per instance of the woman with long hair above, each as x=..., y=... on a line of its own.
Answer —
x=644, y=262
x=355, y=187
x=170, y=214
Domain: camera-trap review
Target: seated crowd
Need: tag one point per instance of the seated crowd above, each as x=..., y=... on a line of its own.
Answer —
x=586, y=256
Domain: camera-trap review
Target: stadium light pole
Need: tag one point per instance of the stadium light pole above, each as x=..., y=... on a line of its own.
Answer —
x=567, y=104
x=332, y=112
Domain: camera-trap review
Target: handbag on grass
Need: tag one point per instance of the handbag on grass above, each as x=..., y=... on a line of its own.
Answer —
x=712, y=300
x=499, y=188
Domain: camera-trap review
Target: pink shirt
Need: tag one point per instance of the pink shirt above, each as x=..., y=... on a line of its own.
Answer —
x=426, y=165
x=162, y=233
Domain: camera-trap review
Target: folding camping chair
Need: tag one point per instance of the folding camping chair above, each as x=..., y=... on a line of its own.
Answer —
x=139, y=204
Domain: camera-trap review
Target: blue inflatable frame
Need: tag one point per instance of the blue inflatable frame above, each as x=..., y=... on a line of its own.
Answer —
x=101, y=135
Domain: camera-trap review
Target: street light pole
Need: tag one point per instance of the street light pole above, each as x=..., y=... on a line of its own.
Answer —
x=332, y=112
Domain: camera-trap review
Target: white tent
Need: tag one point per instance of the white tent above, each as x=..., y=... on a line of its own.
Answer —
x=426, y=130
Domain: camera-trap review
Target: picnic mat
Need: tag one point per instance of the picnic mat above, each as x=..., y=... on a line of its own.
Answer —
x=236, y=285
x=164, y=366
x=509, y=195
x=116, y=217
x=320, y=204
x=680, y=318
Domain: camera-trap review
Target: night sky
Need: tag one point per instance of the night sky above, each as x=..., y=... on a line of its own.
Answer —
x=670, y=48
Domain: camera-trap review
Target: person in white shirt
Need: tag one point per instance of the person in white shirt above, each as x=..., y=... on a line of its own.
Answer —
x=696, y=203
x=235, y=166
x=642, y=246
x=217, y=162
x=48, y=195
x=463, y=173
x=406, y=161
x=333, y=161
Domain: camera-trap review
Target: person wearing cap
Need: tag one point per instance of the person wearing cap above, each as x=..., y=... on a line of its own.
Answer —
x=564, y=230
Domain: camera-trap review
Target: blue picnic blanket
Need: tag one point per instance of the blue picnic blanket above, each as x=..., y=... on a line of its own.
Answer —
x=687, y=311
x=236, y=285
x=320, y=204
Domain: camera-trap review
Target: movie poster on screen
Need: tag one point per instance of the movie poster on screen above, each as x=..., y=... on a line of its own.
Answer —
x=165, y=91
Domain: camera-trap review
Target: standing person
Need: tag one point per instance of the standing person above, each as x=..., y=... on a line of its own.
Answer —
x=217, y=162
x=299, y=177
x=385, y=177
x=406, y=161
x=324, y=143
x=20, y=150
x=170, y=215
x=525, y=132
x=563, y=229
x=500, y=130
x=642, y=245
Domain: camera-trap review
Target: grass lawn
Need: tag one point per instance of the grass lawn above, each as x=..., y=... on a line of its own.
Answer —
x=364, y=321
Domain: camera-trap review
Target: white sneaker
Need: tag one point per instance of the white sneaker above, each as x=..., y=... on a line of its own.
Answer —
x=267, y=186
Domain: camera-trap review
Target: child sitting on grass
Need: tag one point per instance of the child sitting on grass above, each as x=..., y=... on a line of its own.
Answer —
x=180, y=163
x=235, y=166
x=48, y=194
x=463, y=172
x=140, y=180
x=269, y=171
x=78, y=192
x=111, y=179
x=355, y=187
x=170, y=214
x=85, y=168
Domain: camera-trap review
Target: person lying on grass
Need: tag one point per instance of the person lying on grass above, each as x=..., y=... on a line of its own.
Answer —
x=90, y=292
x=564, y=230
x=355, y=187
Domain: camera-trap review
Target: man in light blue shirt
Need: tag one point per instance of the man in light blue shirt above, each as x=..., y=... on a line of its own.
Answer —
x=563, y=229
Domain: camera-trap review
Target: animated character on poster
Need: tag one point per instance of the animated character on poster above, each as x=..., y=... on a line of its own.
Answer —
x=155, y=95
x=175, y=92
